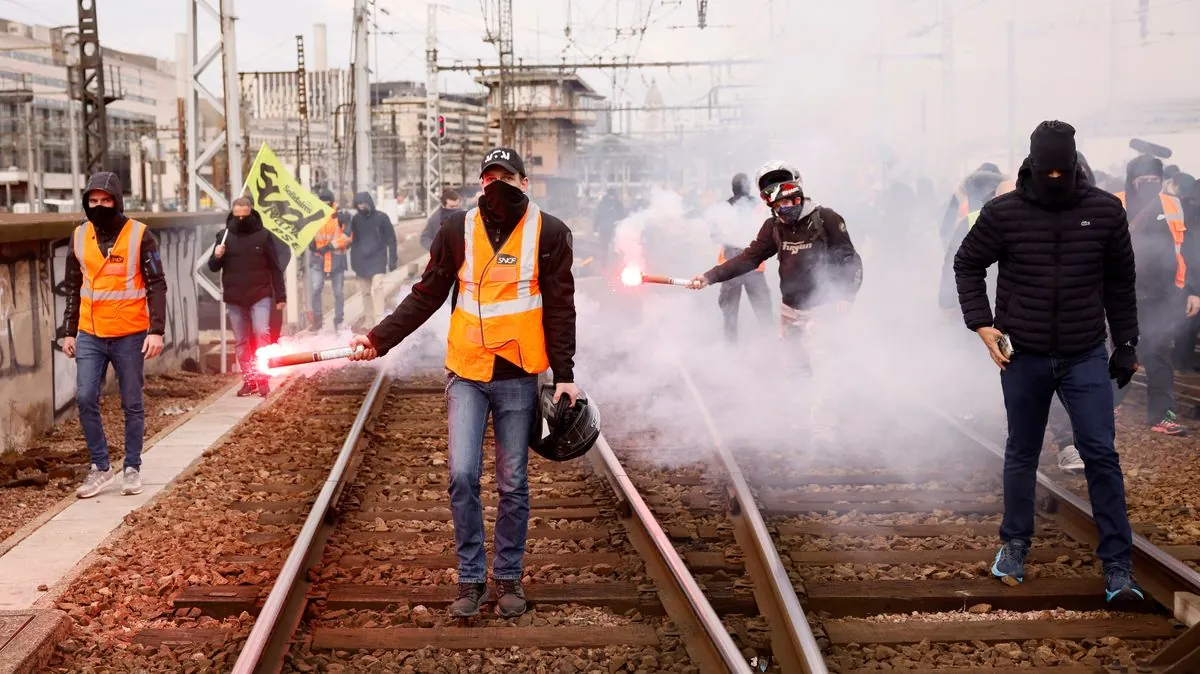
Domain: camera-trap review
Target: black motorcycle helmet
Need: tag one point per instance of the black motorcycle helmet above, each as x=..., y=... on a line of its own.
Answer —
x=573, y=428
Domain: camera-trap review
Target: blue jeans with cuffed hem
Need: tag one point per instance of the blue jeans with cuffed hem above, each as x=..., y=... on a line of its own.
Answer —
x=511, y=405
x=1082, y=383
x=92, y=358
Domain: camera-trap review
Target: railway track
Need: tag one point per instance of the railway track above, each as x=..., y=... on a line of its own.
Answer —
x=367, y=580
x=893, y=565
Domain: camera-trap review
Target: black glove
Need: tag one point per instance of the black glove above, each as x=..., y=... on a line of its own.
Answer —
x=1122, y=364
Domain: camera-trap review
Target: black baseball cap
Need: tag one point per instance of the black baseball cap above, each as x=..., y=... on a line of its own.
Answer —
x=504, y=157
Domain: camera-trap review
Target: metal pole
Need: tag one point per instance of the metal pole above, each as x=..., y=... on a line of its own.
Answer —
x=233, y=132
x=73, y=131
x=431, y=155
x=1012, y=92
x=362, y=99
x=395, y=158
x=30, y=168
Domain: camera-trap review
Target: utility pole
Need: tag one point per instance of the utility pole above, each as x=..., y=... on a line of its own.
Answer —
x=432, y=152
x=302, y=103
x=503, y=39
x=362, y=100
x=395, y=157
x=92, y=91
x=200, y=154
x=71, y=58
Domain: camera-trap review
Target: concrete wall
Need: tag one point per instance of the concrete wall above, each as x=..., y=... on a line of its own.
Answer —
x=37, y=381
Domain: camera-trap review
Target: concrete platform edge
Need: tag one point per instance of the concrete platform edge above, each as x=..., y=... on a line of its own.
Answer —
x=30, y=650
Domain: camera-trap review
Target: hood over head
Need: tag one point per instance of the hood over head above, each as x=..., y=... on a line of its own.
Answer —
x=981, y=185
x=741, y=185
x=364, y=198
x=108, y=183
x=1087, y=168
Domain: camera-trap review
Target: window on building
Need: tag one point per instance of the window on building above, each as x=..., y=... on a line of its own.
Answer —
x=536, y=160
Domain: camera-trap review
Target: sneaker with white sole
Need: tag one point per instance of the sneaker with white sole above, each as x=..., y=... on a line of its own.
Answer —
x=132, y=482
x=96, y=481
x=1069, y=460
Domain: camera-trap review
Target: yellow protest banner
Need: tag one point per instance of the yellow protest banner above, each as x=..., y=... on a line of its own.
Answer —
x=288, y=210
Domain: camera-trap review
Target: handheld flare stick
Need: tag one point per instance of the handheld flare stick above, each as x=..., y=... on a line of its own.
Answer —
x=632, y=276
x=305, y=357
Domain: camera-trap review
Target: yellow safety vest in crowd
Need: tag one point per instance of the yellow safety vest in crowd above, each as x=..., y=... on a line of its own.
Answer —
x=1174, y=212
x=112, y=299
x=499, y=307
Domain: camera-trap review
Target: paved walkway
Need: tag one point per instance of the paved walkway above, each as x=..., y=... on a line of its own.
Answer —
x=47, y=555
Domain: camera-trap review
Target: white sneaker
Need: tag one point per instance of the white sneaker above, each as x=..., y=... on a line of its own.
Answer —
x=1069, y=460
x=133, y=482
x=96, y=481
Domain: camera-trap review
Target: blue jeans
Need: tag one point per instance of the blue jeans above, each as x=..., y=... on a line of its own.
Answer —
x=251, y=329
x=92, y=357
x=511, y=404
x=316, y=285
x=1082, y=383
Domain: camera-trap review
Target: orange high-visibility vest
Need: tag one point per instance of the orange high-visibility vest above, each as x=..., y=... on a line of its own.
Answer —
x=499, y=307
x=112, y=299
x=721, y=259
x=330, y=232
x=1174, y=212
x=964, y=202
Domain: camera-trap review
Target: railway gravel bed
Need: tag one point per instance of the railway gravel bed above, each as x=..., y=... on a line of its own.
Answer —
x=389, y=571
x=193, y=535
x=36, y=479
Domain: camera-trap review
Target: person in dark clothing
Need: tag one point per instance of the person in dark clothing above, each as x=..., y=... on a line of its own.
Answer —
x=252, y=283
x=1066, y=266
x=508, y=324
x=116, y=312
x=450, y=205
x=818, y=267
x=609, y=212
x=754, y=283
x=1165, y=285
x=978, y=187
x=1185, y=340
x=372, y=253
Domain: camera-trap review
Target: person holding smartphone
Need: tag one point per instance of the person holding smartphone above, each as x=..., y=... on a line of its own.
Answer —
x=1066, y=267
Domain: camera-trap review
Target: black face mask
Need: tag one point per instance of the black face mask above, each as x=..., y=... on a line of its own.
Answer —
x=241, y=222
x=502, y=203
x=101, y=216
x=364, y=210
x=1054, y=191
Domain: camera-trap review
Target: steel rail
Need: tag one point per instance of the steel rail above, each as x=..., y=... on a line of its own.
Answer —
x=1159, y=573
x=792, y=642
x=704, y=635
x=280, y=616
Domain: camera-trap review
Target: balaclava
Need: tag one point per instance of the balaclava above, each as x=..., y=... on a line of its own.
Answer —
x=1052, y=148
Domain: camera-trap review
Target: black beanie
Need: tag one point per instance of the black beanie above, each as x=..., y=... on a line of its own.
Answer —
x=1052, y=147
x=1144, y=165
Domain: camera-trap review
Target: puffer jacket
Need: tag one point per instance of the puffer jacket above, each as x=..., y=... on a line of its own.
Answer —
x=1062, y=272
x=373, y=250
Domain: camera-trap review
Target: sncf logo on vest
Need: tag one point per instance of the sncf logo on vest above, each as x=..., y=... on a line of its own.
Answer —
x=506, y=259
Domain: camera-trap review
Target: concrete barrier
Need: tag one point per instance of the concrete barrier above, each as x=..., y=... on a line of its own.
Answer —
x=37, y=381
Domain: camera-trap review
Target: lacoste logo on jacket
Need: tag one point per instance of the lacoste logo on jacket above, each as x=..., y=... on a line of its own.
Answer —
x=1085, y=223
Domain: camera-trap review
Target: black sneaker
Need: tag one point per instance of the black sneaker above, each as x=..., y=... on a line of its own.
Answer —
x=471, y=596
x=511, y=602
x=1119, y=586
x=248, y=388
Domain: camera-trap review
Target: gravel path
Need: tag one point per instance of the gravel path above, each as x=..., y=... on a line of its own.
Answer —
x=55, y=463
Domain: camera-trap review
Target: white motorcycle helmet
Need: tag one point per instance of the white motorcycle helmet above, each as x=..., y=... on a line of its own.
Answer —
x=779, y=180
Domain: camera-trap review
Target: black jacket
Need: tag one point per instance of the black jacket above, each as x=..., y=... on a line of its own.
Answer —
x=817, y=261
x=1062, y=272
x=151, y=263
x=250, y=268
x=1154, y=249
x=434, y=223
x=609, y=212
x=446, y=256
x=373, y=250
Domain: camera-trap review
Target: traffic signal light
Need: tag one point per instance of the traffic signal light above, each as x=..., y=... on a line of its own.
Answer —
x=441, y=126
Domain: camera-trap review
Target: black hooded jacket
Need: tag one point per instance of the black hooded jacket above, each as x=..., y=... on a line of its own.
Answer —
x=817, y=260
x=250, y=268
x=1062, y=271
x=151, y=263
x=373, y=250
x=440, y=279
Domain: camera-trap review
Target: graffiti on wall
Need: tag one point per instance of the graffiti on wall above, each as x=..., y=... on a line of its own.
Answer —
x=22, y=306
